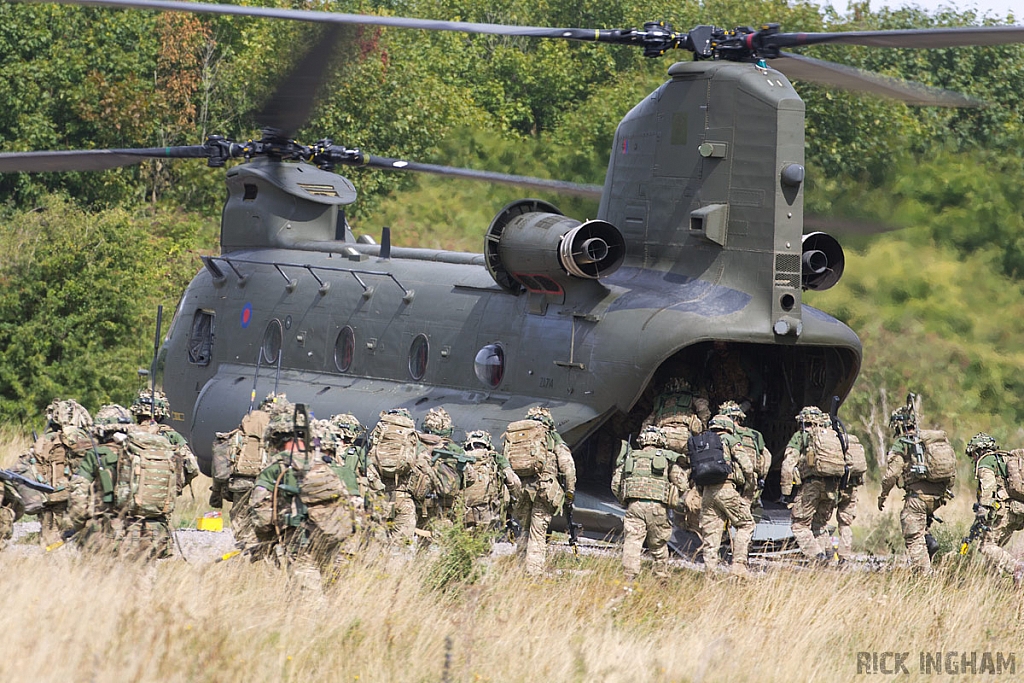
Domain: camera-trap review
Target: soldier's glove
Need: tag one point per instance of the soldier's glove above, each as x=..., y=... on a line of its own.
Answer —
x=881, y=503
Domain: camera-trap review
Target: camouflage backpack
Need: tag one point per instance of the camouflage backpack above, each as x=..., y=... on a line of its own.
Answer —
x=856, y=457
x=482, y=486
x=147, y=476
x=321, y=484
x=1014, y=465
x=938, y=460
x=393, y=445
x=527, y=444
x=824, y=451
x=446, y=466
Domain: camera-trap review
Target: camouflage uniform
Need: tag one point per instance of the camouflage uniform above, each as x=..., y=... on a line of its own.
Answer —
x=151, y=421
x=1002, y=515
x=817, y=495
x=228, y=482
x=731, y=377
x=490, y=482
x=752, y=443
x=922, y=497
x=98, y=497
x=301, y=510
x=398, y=513
x=11, y=511
x=440, y=456
x=728, y=503
x=364, y=482
x=846, y=510
x=647, y=491
x=543, y=495
x=54, y=459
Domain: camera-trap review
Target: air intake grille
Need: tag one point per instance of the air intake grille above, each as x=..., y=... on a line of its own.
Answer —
x=787, y=270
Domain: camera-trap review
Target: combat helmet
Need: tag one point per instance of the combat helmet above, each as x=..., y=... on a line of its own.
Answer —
x=652, y=436
x=678, y=385
x=326, y=435
x=69, y=413
x=903, y=420
x=980, y=444
x=275, y=404
x=478, y=439
x=112, y=418
x=438, y=422
x=281, y=428
x=723, y=423
x=401, y=412
x=811, y=415
x=541, y=414
x=733, y=410
x=145, y=407
x=347, y=426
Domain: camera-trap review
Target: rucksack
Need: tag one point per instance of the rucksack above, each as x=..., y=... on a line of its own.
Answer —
x=1014, y=464
x=33, y=500
x=645, y=475
x=708, y=462
x=393, y=445
x=856, y=458
x=939, y=456
x=249, y=456
x=480, y=479
x=147, y=476
x=526, y=447
x=321, y=484
x=226, y=445
x=825, y=457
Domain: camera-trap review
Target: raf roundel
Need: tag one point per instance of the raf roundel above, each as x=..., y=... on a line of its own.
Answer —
x=246, y=315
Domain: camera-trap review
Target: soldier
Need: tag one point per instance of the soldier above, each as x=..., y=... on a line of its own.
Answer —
x=643, y=484
x=997, y=508
x=300, y=505
x=490, y=482
x=752, y=442
x=728, y=500
x=443, y=463
x=680, y=411
x=393, y=448
x=536, y=453
x=338, y=440
x=150, y=412
x=924, y=465
x=732, y=377
x=815, y=462
x=11, y=511
x=125, y=489
x=54, y=459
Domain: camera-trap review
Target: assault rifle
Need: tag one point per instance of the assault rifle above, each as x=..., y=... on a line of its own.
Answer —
x=572, y=527
x=15, y=478
x=977, y=530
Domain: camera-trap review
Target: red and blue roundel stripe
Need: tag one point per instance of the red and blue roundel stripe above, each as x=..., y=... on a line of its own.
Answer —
x=246, y=315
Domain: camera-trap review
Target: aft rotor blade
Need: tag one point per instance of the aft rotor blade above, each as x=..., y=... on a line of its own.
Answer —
x=585, y=34
x=845, y=226
x=801, y=68
x=925, y=37
x=289, y=108
x=559, y=186
x=92, y=159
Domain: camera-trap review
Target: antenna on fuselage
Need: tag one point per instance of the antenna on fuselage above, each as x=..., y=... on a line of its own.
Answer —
x=385, y=244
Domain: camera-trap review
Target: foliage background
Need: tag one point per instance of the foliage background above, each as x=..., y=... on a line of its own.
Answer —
x=89, y=256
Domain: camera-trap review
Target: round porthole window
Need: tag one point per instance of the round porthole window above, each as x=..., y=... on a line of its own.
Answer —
x=344, y=349
x=418, y=357
x=489, y=365
x=272, y=341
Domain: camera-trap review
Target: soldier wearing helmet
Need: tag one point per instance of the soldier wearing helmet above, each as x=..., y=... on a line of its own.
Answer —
x=125, y=489
x=811, y=450
x=490, y=482
x=752, y=443
x=643, y=482
x=393, y=448
x=1000, y=504
x=241, y=454
x=150, y=410
x=544, y=464
x=729, y=501
x=444, y=462
x=54, y=459
x=680, y=411
x=907, y=466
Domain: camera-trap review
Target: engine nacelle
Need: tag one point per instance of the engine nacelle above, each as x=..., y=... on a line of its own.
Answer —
x=822, y=262
x=531, y=245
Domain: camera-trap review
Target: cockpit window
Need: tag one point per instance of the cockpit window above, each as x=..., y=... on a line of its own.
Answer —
x=200, y=340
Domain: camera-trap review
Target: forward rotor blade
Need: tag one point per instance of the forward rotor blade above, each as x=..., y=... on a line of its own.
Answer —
x=801, y=68
x=92, y=159
x=845, y=226
x=585, y=34
x=923, y=38
x=292, y=103
x=560, y=186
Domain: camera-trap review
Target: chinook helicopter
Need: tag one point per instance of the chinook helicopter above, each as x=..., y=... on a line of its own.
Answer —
x=697, y=257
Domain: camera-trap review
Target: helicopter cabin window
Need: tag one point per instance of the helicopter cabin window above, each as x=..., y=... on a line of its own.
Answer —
x=418, y=357
x=251, y=192
x=489, y=365
x=272, y=337
x=200, y=340
x=344, y=349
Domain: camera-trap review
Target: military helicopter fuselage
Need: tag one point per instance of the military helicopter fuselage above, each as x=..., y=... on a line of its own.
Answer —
x=698, y=240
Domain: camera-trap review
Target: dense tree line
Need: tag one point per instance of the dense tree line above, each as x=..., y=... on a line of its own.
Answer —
x=91, y=254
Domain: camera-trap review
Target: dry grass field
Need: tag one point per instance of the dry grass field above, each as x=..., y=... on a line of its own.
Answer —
x=68, y=617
